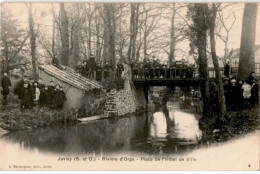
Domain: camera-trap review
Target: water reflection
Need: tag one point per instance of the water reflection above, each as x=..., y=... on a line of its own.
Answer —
x=172, y=128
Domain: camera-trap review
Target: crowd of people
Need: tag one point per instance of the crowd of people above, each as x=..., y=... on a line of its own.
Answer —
x=154, y=69
x=238, y=94
x=32, y=93
x=147, y=69
x=94, y=70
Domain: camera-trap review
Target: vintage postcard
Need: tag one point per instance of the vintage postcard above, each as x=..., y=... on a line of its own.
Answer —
x=129, y=86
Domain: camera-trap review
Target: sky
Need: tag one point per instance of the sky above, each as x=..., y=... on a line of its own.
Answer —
x=19, y=11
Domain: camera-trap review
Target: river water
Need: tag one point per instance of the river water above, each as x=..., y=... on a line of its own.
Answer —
x=170, y=129
x=169, y=132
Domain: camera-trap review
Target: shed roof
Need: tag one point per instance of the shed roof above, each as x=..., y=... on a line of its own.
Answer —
x=70, y=77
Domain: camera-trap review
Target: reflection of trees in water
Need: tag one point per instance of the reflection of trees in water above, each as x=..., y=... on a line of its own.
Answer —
x=107, y=136
x=98, y=136
x=170, y=123
x=43, y=139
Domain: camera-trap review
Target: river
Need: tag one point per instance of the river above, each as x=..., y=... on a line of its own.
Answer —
x=171, y=130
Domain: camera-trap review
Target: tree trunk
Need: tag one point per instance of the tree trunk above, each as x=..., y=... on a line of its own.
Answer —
x=75, y=37
x=53, y=32
x=201, y=44
x=247, y=44
x=89, y=37
x=110, y=32
x=133, y=31
x=97, y=20
x=64, y=35
x=211, y=22
x=145, y=34
x=32, y=40
x=172, y=45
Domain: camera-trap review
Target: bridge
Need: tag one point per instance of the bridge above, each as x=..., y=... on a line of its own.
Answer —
x=166, y=77
x=177, y=76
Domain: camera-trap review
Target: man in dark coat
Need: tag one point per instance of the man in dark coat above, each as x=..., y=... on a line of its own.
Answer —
x=50, y=93
x=92, y=66
x=5, y=87
x=19, y=85
x=31, y=89
x=98, y=72
x=226, y=93
x=40, y=84
x=135, y=69
x=79, y=68
x=254, y=93
x=56, y=97
x=226, y=69
x=157, y=67
x=55, y=62
x=119, y=69
x=43, y=97
x=25, y=96
x=84, y=69
x=252, y=78
x=233, y=95
x=63, y=98
x=146, y=67
x=163, y=71
x=107, y=68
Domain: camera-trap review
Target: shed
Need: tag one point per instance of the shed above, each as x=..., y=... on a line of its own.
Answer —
x=74, y=85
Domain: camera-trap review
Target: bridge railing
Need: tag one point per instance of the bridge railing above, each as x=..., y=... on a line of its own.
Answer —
x=181, y=73
x=164, y=73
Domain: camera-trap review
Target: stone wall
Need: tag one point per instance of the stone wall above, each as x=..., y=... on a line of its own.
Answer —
x=131, y=98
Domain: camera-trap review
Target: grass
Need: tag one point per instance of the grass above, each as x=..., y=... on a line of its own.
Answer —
x=236, y=123
x=13, y=119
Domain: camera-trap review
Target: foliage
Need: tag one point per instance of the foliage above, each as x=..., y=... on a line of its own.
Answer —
x=230, y=126
x=13, y=41
x=15, y=120
x=111, y=83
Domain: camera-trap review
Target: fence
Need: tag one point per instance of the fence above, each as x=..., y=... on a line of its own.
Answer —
x=257, y=69
x=234, y=69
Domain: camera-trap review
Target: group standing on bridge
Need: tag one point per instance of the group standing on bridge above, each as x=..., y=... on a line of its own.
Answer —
x=140, y=70
x=156, y=70
x=93, y=69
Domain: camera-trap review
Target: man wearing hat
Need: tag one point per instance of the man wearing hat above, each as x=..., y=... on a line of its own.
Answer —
x=25, y=96
x=233, y=94
x=119, y=69
x=146, y=67
x=98, y=72
x=55, y=62
x=92, y=66
x=107, y=68
x=5, y=87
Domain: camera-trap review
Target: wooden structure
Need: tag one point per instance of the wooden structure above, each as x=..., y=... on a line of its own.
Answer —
x=73, y=84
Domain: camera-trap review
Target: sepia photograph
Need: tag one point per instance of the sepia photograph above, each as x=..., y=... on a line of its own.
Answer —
x=129, y=86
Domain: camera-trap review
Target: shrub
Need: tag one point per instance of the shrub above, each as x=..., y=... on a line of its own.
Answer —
x=113, y=83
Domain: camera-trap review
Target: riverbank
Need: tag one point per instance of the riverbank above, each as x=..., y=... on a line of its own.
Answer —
x=233, y=125
x=13, y=119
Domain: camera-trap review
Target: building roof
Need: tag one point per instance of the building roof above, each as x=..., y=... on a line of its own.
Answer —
x=71, y=77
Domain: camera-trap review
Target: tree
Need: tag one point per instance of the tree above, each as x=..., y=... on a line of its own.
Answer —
x=75, y=22
x=221, y=25
x=211, y=20
x=172, y=44
x=109, y=18
x=64, y=32
x=198, y=38
x=247, y=44
x=13, y=41
x=133, y=30
x=32, y=35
